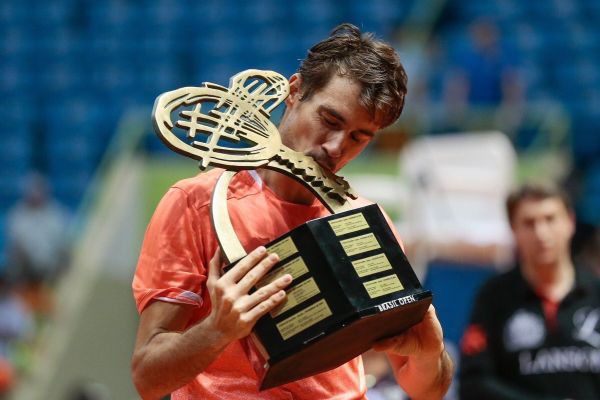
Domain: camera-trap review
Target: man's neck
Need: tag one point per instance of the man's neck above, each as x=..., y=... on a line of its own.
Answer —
x=286, y=188
x=553, y=282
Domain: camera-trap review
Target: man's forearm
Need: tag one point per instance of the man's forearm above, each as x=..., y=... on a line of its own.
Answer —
x=423, y=378
x=172, y=359
x=167, y=356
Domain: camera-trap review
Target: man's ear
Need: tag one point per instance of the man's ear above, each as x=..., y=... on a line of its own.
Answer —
x=295, y=90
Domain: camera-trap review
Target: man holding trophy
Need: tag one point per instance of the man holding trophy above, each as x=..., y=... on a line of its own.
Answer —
x=195, y=316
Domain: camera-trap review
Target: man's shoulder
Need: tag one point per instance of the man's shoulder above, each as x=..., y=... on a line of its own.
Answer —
x=587, y=278
x=199, y=188
x=497, y=285
x=199, y=182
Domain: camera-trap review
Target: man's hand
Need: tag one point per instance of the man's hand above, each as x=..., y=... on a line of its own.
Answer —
x=234, y=311
x=421, y=365
x=423, y=340
x=168, y=353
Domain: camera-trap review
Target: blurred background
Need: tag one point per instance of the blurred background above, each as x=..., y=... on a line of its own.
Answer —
x=500, y=92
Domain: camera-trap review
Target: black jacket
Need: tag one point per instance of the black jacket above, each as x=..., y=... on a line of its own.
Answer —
x=512, y=349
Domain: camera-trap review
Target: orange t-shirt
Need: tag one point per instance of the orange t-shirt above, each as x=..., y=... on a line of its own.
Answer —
x=177, y=248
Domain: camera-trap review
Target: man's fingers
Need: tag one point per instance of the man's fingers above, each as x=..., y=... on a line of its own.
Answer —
x=405, y=344
x=246, y=264
x=257, y=272
x=214, y=266
x=390, y=344
x=383, y=345
x=265, y=306
x=267, y=291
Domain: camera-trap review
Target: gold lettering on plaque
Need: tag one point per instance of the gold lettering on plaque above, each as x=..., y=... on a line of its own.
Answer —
x=304, y=319
x=371, y=265
x=296, y=295
x=351, y=223
x=296, y=268
x=284, y=248
x=360, y=244
x=382, y=286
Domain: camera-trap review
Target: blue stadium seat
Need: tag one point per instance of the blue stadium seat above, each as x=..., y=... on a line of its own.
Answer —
x=454, y=287
x=52, y=14
x=70, y=188
x=61, y=78
x=76, y=136
x=587, y=209
x=164, y=75
x=16, y=149
x=266, y=13
x=18, y=111
x=383, y=17
x=11, y=184
x=309, y=15
x=585, y=140
x=17, y=77
x=590, y=10
x=471, y=10
x=164, y=14
x=2, y=242
x=14, y=13
x=214, y=69
x=110, y=14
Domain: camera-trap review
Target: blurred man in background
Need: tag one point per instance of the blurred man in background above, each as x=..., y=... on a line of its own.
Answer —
x=37, y=245
x=535, y=330
x=193, y=317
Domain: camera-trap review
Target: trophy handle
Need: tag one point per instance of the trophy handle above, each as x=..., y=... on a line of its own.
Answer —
x=228, y=241
x=230, y=244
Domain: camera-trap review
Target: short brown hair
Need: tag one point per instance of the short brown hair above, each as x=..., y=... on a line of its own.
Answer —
x=536, y=191
x=359, y=56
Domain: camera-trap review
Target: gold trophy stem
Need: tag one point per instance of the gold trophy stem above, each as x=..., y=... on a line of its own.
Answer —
x=231, y=247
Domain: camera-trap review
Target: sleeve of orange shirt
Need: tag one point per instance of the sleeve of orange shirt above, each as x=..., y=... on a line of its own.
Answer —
x=172, y=263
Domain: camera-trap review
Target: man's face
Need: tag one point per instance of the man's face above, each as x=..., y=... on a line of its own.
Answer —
x=543, y=230
x=331, y=126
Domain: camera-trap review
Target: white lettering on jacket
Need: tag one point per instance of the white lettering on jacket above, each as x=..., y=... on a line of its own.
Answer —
x=560, y=359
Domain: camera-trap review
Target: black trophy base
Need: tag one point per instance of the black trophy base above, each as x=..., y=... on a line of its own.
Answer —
x=352, y=286
x=336, y=348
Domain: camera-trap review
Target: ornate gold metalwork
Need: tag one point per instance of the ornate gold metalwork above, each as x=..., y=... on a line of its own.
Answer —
x=333, y=190
x=230, y=128
x=238, y=116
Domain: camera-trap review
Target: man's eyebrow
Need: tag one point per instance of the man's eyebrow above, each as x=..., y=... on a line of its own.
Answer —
x=366, y=132
x=340, y=117
x=332, y=111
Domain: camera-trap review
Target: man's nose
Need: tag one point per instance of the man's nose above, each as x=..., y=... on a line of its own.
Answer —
x=542, y=230
x=334, y=145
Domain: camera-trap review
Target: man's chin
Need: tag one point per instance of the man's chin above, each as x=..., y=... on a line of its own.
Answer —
x=549, y=261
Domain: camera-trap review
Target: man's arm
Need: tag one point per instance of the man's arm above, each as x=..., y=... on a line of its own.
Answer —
x=421, y=365
x=167, y=357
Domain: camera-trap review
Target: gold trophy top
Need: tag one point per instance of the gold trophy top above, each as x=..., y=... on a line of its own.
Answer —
x=230, y=128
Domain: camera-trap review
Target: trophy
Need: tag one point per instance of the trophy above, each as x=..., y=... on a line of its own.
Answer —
x=352, y=284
